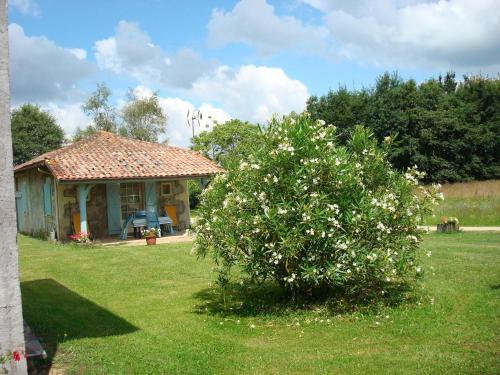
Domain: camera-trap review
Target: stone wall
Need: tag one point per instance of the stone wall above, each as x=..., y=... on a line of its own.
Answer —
x=67, y=203
x=179, y=198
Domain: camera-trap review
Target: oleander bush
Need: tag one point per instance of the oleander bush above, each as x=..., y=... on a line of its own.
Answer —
x=310, y=213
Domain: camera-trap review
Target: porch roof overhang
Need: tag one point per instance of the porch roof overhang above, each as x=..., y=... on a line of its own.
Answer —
x=134, y=179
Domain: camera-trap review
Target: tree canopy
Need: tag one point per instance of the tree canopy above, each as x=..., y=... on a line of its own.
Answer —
x=450, y=129
x=98, y=108
x=140, y=118
x=143, y=118
x=227, y=142
x=34, y=132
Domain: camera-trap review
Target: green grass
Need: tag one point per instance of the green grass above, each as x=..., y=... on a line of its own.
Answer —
x=470, y=211
x=151, y=310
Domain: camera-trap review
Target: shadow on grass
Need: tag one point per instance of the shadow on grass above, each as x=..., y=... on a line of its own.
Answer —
x=269, y=299
x=56, y=314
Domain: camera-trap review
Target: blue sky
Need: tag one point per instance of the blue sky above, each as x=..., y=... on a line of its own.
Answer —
x=241, y=59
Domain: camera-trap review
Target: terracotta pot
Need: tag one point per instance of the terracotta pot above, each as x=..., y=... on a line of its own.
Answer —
x=151, y=240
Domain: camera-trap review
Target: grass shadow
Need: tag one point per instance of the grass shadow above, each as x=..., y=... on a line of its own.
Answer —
x=270, y=300
x=56, y=314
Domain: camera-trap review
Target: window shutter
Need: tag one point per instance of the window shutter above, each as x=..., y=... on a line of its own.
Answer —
x=47, y=196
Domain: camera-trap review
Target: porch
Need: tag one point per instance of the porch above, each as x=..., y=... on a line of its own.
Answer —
x=104, y=209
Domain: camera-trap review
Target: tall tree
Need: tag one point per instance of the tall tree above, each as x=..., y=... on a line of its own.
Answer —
x=450, y=129
x=34, y=132
x=102, y=113
x=143, y=118
x=227, y=142
x=98, y=108
x=11, y=317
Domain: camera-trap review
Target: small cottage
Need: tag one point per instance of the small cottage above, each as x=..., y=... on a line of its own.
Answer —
x=95, y=185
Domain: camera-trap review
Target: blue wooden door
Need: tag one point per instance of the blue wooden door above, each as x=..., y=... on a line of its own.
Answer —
x=151, y=201
x=113, y=207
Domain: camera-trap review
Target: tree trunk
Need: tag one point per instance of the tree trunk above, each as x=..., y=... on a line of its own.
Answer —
x=11, y=319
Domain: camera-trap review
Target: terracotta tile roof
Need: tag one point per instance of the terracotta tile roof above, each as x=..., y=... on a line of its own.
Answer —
x=106, y=156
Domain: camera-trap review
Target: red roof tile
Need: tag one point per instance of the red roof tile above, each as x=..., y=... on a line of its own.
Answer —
x=106, y=156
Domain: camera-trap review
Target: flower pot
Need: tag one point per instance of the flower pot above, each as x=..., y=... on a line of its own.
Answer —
x=448, y=227
x=151, y=240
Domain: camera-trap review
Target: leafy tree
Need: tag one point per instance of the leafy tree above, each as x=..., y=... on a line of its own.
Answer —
x=102, y=113
x=227, y=142
x=450, y=129
x=195, y=189
x=98, y=108
x=308, y=212
x=143, y=118
x=34, y=132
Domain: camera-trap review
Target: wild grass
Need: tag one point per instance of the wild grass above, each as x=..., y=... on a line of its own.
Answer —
x=473, y=203
x=155, y=310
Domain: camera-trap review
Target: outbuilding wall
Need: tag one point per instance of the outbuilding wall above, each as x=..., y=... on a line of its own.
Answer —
x=32, y=219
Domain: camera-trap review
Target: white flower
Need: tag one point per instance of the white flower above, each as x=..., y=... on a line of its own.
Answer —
x=282, y=211
x=275, y=179
x=429, y=253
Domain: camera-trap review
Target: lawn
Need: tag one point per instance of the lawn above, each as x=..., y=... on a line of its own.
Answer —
x=471, y=211
x=152, y=310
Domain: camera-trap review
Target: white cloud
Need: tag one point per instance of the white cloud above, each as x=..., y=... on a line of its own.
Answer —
x=79, y=53
x=131, y=52
x=253, y=93
x=179, y=132
x=41, y=71
x=68, y=116
x=28, y=7
x=420, y=34
x=254, y=22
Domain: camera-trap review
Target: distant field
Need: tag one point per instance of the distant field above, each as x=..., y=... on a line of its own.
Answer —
x=473, y=203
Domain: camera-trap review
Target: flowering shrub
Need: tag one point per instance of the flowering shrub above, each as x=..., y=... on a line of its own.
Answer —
x=307, y=212
x=82, y=238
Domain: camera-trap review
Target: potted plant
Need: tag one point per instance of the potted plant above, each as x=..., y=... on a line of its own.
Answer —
x=448, y=224
x=150, y=235
x=81, y=238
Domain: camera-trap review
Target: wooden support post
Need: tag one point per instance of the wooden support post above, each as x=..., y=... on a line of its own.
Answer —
x=83, y=192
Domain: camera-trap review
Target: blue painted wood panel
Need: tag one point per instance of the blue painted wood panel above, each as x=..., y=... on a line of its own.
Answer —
x=151, y=199
x=47, y=196
x=22, y=206
x=113, y=207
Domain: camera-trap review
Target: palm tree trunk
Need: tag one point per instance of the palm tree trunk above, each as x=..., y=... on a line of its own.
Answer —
x=11, y=319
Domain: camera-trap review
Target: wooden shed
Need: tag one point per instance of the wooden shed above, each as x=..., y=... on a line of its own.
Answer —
x=94, y=185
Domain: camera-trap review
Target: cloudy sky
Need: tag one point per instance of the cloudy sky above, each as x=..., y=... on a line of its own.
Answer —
x=244, y=59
